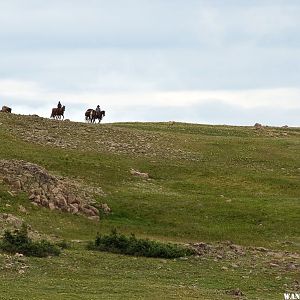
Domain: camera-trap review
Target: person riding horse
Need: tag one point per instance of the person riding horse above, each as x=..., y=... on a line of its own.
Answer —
x=58, y=112
x=98, y=110
x=93, y=114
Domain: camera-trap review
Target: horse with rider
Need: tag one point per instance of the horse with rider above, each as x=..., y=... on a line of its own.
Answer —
x=92, y=114
x=58, y=112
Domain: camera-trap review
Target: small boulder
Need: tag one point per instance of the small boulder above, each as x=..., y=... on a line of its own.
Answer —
x=22, y=209
x=139, y=174
x=5, y=109
x=105, y=208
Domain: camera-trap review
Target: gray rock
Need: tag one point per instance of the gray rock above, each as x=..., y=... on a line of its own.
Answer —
x=47, y=190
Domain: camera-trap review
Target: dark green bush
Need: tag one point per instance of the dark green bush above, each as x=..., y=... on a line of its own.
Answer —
x=19, y=242
x=119, y=243
x=63, y=244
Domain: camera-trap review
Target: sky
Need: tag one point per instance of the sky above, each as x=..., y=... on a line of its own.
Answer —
x=234, y=62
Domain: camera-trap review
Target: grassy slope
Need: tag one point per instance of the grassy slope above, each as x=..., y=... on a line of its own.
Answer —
x=209, y=183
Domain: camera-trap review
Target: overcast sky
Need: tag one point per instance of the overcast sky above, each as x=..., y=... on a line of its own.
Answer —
x=204, y=61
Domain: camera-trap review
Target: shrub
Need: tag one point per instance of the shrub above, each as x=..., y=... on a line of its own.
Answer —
x=63, y=244
x=19, y=242
x=119, y=243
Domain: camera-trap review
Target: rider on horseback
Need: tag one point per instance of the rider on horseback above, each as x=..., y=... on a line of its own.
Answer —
x=98, y=110
x=59, y=105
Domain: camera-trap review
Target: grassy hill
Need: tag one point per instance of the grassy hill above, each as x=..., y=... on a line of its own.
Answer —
x=207, y=184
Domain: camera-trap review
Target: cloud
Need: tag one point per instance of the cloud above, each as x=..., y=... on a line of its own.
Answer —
x=143, y=23
x=214, y=106
x=216, y=112
x=156, y=54
x=19, y=89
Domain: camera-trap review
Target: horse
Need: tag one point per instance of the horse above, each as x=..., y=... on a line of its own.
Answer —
x=91, y=115
x=96, y=115
x=6, y=109
x=57, y=113
x=88, y=115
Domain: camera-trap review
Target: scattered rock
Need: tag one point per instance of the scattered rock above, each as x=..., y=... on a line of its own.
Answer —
x=9, y=221
x=261, y=249
x=139, y=174
x=11, y=193
x=291, y=266
x=22, y=209
x=105, y=208
x=274, y=265
x=235, y=292
x=12, y=223
x=45, y=189
x=114, y=139
x=201, y=248
x=238, y=249
x=94, y=218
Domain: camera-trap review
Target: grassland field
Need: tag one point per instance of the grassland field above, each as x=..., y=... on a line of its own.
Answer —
x=207, y=184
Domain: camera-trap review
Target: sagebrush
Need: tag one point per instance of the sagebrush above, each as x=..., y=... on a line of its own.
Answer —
x=130, y=245
x=19, y=242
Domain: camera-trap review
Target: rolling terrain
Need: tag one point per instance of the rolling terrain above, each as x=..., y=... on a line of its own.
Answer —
x=233, y=192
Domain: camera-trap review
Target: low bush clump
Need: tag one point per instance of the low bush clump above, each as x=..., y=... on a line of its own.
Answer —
x=119, y=243
x=19, y=242
x=63, y=244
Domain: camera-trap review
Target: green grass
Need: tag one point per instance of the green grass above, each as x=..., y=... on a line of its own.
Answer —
x=83, y=274
x=208, y=183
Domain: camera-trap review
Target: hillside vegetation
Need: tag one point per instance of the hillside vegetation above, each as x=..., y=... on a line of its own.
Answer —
x=234, y=189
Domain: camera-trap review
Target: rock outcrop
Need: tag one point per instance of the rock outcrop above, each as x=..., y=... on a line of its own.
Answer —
x=47, y=190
